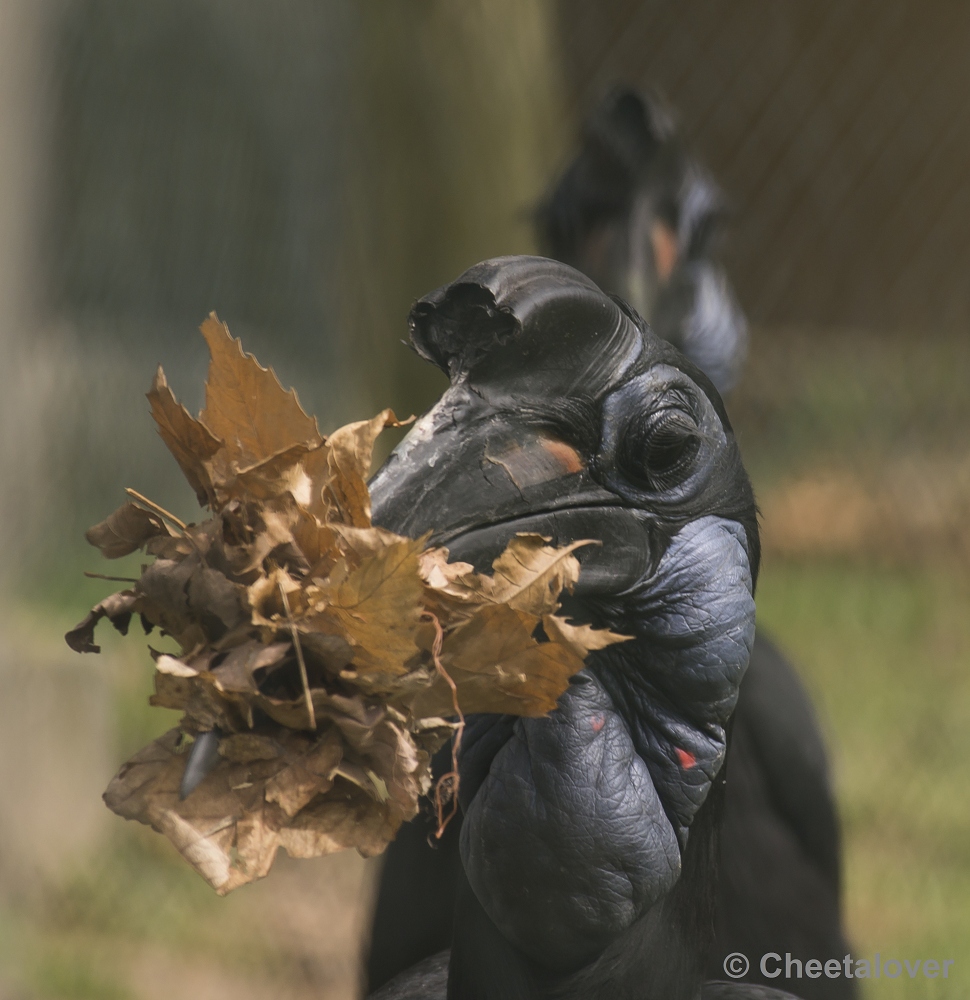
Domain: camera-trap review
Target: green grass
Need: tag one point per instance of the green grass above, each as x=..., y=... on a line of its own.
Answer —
x=887, y=656
x=884, y=649
x=77, y=974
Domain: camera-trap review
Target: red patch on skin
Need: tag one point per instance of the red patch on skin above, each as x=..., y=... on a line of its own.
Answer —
x=686, y=759
x=568, y=457
x=597, y=722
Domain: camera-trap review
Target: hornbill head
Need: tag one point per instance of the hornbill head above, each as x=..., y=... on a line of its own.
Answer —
x=640, y=215
x=567, y=417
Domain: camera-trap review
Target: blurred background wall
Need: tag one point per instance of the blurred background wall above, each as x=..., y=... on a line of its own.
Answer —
x=309, y=167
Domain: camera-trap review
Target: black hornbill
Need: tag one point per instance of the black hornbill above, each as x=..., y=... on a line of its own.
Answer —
x=639, y=215
x=588, y=844
x=642, y=217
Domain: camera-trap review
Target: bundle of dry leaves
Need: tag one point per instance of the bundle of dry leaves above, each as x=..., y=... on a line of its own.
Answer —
x=327, y=654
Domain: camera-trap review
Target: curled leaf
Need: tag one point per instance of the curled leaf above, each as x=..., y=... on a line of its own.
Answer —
x=345, y=462
x=117, y=608
x=531, y=574
x=125, y=531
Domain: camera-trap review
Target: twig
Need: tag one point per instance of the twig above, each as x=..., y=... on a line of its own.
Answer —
x=113, y=579
x=161, y=511
x=299, y=656
x=446, y=789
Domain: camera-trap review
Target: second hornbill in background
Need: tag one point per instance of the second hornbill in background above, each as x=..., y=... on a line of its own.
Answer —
x=588, y=839
x=640, y=216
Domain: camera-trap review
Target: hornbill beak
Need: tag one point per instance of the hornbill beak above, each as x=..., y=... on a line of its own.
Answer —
x=506, y=449
x=532, y=434
x=474, y=475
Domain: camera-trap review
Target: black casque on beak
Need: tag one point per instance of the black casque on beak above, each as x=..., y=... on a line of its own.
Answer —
x=565, y=417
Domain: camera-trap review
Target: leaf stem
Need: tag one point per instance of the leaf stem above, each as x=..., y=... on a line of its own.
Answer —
x=113, y=579
x=311, y=714
x=446, y=790
x=161, y=511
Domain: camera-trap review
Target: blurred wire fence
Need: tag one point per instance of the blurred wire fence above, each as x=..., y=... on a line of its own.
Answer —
x=838, y=131
x=307, y=169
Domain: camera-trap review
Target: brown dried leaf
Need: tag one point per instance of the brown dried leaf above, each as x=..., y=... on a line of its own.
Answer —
x=251, y=532
x=345, y=818
x=318, y=544
x=498, y=666
x=171, y=691
x=354, y=716
x=309, y=775
x=376, y=608
x=202, y=828
x=236, y=672
x=257, y=841
x=529, y=683
x=230, y=828
x=216, y=604
x=400, y=765
x=243, y=747
x=191, y=442
x=448, y=595
x=118, y=609
x=169, y=547
x=284, y=472
x=441, y=575
x=531, y=574
x=164, y=599
x=581, y=639
x=246, y=406
x=263, y=595
x=359, y=543
x=342, y=468
x=125, y=531
x=289, y=593
x=327, y=651
x=209, y=708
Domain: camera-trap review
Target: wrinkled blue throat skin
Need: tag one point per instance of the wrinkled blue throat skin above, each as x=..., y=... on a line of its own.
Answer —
x=575, y=825
x=588, y=838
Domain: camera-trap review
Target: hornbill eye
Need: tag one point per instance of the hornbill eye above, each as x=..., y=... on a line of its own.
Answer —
x=657, y=449
x=660, y=439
